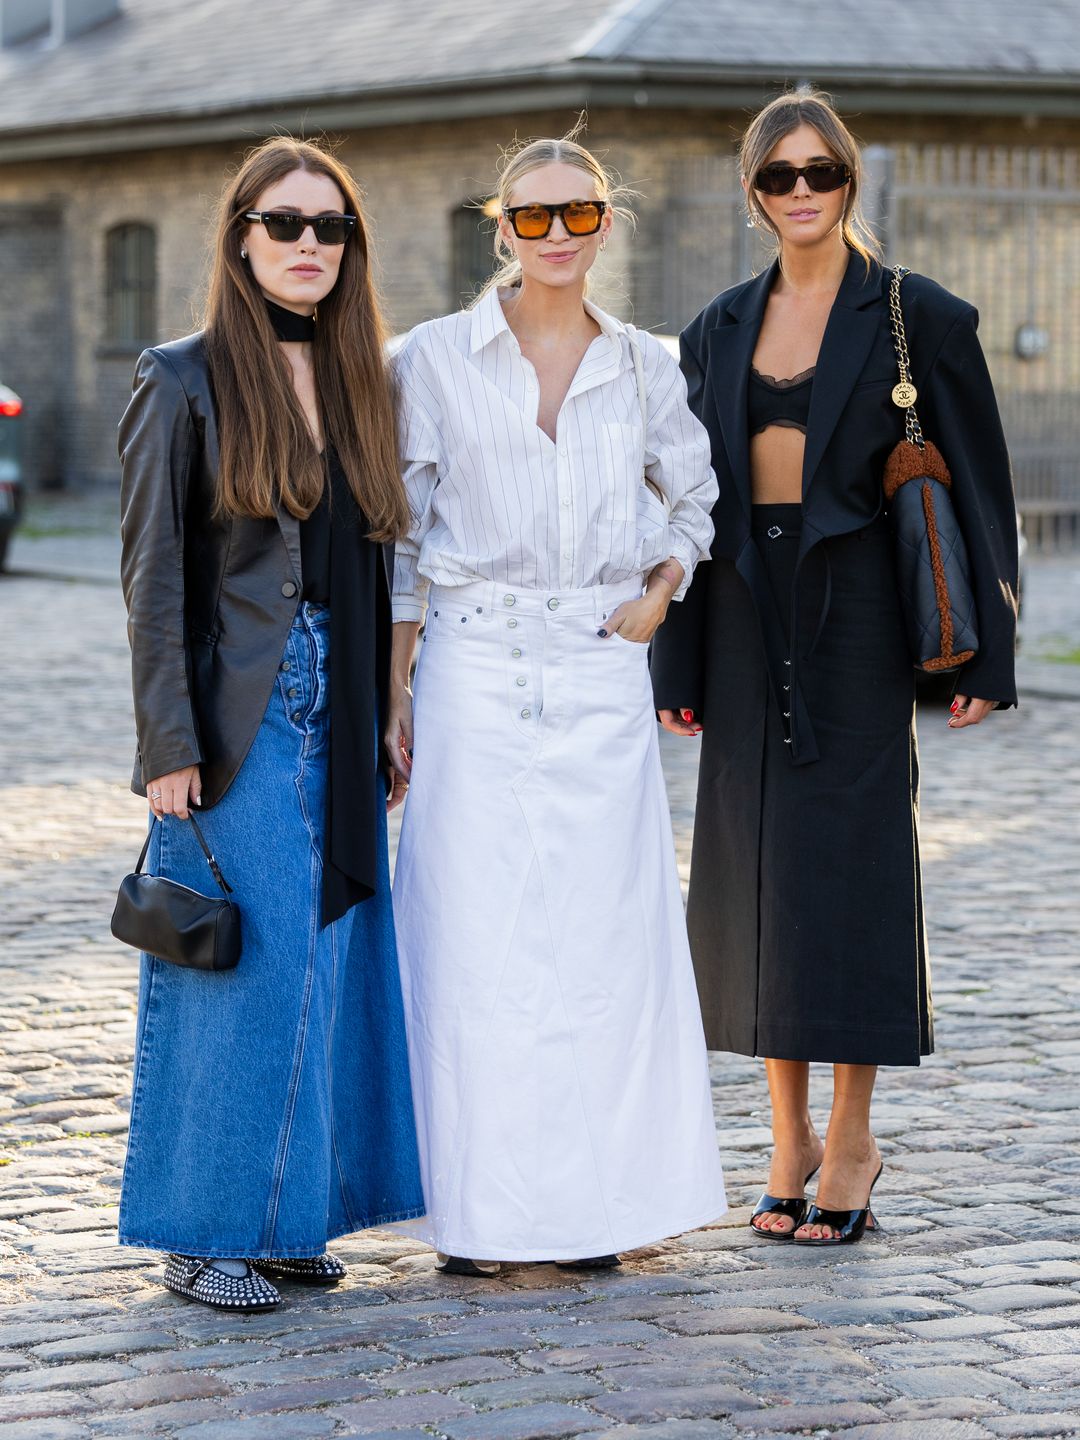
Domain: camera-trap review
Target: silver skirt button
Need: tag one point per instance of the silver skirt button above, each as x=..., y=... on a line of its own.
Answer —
x=553, y=604
x=508, y=600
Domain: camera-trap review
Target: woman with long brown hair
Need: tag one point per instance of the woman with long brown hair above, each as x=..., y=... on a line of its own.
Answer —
x=805, y=909
x=271, y=1107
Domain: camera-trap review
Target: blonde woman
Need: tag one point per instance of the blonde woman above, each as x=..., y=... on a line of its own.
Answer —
x=806, y=911
x=558, y=1061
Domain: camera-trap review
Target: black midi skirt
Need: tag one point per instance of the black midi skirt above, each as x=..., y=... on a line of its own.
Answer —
x=805, y=907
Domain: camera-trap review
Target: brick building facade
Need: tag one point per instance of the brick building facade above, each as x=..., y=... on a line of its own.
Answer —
x=106, y=194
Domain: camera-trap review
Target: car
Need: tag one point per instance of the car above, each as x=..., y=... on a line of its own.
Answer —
x=11, y=476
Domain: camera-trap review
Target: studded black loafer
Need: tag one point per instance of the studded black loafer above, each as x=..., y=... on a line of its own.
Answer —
x=198, y=1279
x=319, y=1270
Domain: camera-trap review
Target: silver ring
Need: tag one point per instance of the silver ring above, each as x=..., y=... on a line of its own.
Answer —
x=155, y=794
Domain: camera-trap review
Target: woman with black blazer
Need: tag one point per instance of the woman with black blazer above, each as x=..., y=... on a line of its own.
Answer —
x=271, y=1107
x=789, y=654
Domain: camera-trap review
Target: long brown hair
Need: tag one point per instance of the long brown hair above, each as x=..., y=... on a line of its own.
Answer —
x=779, y=118
x=267, y=451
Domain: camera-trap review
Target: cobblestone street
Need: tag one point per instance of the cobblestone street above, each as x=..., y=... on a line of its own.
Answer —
x=960, y=1321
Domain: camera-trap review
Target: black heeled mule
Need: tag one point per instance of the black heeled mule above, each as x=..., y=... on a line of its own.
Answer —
x=776, y=1205
x=847, y=1225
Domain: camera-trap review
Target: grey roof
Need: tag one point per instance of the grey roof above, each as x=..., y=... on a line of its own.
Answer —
x=993, y=37
x=161, y=61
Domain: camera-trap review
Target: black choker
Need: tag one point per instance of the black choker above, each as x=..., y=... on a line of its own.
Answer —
x=288, y=325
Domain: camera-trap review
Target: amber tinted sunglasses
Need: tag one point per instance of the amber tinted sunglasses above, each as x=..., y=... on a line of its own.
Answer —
x=821, y=176
x=533, y=222
x=288, y=226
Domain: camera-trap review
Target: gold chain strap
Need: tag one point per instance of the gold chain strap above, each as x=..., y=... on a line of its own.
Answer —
x=904, y=394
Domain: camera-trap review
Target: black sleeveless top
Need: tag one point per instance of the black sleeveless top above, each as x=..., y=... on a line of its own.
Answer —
x=778, y=402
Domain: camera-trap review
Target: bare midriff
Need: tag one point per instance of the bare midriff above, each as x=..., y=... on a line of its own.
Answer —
x=776, y=462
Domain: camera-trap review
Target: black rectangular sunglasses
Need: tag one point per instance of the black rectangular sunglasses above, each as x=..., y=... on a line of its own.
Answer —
x=533, y=222
x=820, y=175
x=287, y=225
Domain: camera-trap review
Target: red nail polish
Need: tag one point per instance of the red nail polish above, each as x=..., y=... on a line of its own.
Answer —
x=688, y=715
x=953, y=706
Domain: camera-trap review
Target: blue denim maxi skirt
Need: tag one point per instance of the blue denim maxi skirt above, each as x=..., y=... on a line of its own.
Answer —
x=271, y=1108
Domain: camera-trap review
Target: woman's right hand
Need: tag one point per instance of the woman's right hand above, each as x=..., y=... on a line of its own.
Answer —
x=679, y=722
x=172, y=794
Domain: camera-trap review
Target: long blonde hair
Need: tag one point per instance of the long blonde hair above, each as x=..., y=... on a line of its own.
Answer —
x=525, y=156
x=779, y=118
x=267, y=452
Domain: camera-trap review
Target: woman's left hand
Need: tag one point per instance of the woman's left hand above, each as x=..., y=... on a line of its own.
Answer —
x=966, y=710
x=636, y=620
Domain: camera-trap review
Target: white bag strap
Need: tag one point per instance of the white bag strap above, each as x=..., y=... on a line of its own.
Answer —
x=639, y=371
x=643, y=401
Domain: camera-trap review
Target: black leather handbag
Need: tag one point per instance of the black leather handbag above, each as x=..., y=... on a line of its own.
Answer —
x=176, y=923
x=932, y=569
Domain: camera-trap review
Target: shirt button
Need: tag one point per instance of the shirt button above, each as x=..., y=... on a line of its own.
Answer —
x=566, y=501
x=521, y=680
x=293, y=692
x=511, y=624
x=516, y=654
x=289, y=589
x=508, y=600
x=286, y=665
x=567, y=554
x=553, y=604
x=525, y=714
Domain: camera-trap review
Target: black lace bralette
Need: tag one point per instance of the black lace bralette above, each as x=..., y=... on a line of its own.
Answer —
x=779, y=402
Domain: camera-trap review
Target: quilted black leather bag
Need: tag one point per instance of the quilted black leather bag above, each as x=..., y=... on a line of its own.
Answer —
x=176, y=923
x=932, y=569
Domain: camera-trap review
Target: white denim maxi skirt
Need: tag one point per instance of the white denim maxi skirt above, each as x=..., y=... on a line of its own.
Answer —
x=558, y=1061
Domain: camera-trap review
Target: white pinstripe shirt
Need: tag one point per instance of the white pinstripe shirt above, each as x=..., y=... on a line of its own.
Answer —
x=494, y=498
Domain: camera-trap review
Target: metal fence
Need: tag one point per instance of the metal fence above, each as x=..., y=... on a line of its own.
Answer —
x=997, y=225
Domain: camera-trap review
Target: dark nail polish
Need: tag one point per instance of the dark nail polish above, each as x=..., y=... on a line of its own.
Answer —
x=602, y=633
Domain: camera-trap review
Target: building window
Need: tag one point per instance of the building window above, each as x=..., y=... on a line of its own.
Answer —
x=130, y=285
x=472, y=251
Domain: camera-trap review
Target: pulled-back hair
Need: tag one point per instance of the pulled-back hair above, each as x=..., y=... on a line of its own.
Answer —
x=779, y=118
x=525, y=156
x=267, y=451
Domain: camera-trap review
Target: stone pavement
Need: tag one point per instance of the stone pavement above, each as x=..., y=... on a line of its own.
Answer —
x=961, y=1320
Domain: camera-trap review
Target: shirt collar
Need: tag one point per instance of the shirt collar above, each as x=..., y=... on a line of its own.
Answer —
x=489, y=321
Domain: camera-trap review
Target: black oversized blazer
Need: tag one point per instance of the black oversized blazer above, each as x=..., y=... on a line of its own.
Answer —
x=210, y=597
x=852, y=426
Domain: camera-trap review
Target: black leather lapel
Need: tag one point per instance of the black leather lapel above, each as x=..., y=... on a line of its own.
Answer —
x=290, y=533
x=845, y=348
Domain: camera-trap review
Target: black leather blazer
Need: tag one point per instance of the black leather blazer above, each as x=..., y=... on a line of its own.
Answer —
x=210, y=598
x=851, y=429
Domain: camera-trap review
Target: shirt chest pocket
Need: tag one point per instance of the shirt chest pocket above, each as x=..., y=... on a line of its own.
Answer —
x=623, y=462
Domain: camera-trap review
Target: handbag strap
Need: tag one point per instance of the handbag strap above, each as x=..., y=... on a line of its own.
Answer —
x=639, y=371
x=643, y=402
x=904, y=394
x=215, y=868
